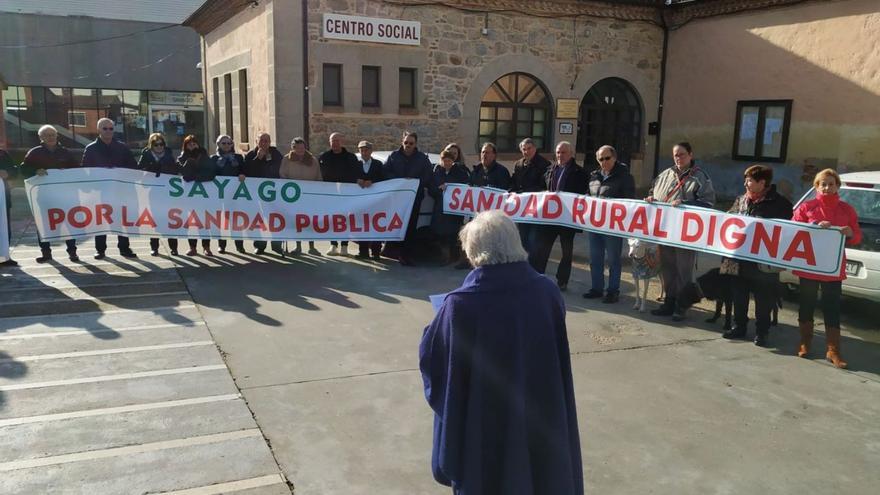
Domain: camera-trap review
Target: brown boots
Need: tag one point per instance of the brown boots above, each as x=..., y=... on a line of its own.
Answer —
x=806, y=337
x=832, y=335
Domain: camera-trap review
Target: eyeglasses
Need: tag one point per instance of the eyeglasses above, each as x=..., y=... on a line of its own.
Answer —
x=409, y=143
x=158, y=144
x=225, y=142
x=604, y=158
x=106, y=128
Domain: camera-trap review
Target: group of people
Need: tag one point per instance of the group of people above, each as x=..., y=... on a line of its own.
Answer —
x=684, y=183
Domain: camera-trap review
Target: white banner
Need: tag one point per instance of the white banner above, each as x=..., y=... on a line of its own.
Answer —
x=780, y=243
x=356, y=28
x=84, y=202
x=4, y=226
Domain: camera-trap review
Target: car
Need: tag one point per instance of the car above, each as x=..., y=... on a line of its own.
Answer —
x=862, y=191
x=427, y=208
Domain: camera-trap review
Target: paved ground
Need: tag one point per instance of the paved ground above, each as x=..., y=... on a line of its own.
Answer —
x=324, y=354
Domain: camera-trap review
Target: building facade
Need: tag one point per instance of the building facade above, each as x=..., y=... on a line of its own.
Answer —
x=70, y=71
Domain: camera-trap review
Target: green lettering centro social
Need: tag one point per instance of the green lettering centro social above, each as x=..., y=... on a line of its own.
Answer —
x=267, y=190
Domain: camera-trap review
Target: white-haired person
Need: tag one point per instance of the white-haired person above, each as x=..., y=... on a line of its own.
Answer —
x=49, y=155
x=497, y=372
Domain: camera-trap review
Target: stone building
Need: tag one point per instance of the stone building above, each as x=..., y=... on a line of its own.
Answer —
x=591, y=72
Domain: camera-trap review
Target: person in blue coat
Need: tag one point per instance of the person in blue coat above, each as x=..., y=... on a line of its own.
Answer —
x=409, y=162
x=446, y=226
x=496, y=368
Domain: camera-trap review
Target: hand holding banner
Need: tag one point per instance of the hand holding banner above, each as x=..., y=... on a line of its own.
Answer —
x=781, y=243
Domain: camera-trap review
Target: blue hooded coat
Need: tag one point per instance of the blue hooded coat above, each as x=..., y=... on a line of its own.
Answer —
x=497, y=372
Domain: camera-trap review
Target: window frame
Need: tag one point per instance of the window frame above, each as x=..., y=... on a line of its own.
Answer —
x=413, y=85
x=516, y=105
x=227, y=103
x=243, y=116
x=759, y=130
x=339, y=93
x=76, y=113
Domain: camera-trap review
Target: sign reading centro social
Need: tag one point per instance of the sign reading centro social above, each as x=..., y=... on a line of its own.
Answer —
x=354, y=28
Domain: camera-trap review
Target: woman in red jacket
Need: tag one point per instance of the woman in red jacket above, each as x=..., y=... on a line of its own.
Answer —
x=826, y=210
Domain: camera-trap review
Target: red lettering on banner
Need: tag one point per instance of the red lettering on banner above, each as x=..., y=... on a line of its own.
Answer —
x=353, y=227
x=174, y=220
x=531, y=209
x=192, y=220
x=301, y=221
x=515, y=203
x=658, y=219
x=213, y=220
x=713, y=223
x=769, y=241
x=376, y=225
x=484, y=200
x=602, y=207
x=578, y=209
x=56, y=216
x=690, y=217
x=338, y=223
x=467, y=203
x=618, y=213
x=146, y=218
x=454, y=199
x=102, y=213
x=258, y=223
x=276, y=222
x=639, y=221
x=317, y=227
x=801, y=247
x=87, y=216
x=545, y=210
x=125, y=221
x=240, y=221
x=732, y=240
x=396, y=222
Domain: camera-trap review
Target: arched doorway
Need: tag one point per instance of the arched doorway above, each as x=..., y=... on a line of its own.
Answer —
x=515, y=106
x=611, y=113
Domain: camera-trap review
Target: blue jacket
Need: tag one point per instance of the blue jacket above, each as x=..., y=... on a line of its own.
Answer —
x=496, y=175
x=415, y=166
x=115, y=154
x=496, y=368
x=232, y=168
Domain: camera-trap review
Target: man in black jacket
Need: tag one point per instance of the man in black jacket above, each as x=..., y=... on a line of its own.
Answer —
x=409, y=163
x=610, y=180
x=49, y=155
x=528, y=176
x=490, y=173
x=264, y=162
x=106, y=151
x=339, y=165
x=564, y=176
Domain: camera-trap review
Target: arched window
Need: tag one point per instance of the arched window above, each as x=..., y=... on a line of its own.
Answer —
x=515, y=107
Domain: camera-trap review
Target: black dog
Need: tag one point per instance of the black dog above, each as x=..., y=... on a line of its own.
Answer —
x=719, y=288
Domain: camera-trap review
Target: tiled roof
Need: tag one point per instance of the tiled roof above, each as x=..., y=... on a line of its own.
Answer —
x=160, y=11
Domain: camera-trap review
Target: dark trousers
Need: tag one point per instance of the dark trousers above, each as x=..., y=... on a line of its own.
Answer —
x=206, y=243
x=336, y=243
x=261, y=246
x=676, y=269
x=763, y=286
x=239, y=244
x=154, y=244
x=46, y=248
x=121, y=243
x=809, y=290
x=546, y=238
x=371, y=247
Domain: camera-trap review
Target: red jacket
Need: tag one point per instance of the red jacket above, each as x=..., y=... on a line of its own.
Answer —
x=840, y=214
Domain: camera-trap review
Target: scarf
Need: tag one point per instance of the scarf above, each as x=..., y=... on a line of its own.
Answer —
x=828, y=200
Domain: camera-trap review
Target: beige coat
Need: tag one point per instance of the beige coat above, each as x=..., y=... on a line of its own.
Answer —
x=305, y=168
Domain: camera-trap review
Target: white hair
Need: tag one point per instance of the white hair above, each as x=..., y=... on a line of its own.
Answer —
x=46, y=129
x=565, y=144
x=607, y=147
x=492, y=238
x=103, y=120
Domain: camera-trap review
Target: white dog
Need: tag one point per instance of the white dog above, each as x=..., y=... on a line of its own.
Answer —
x=645, y=266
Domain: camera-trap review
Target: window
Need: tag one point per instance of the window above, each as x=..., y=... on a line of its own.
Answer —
x=407, y=89
x=513, y=108
x=761, y=131
x=227, y=101
x=76, y=119
x=370, y=86
x=215, y=86
x=243, y=104
x=332, y=85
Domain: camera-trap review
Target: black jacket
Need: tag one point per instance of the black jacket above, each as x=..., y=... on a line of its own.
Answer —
x=528, y=176
x=340, y=167
x=772, y=205
x=374, y=174
x=166, y=165
x=441, y=223
x=40, y=157
x=619, y=183
x=496, y=175
x=196, y=165
x=573, y=178
x=267, y=167
x=230, y=169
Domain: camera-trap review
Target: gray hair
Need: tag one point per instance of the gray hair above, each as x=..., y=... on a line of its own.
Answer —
x=565, y=144
x=526, y=141
x=607, y=147
x=46, y=129
x=297, y=140
x=221, y=137
x=492, y=238
x=105, y=119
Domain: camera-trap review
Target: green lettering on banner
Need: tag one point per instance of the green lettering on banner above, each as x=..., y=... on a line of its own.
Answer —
x=264, y=194
x=286, y=192
x=198, y=189
x=176, y=187
x=242, y=192
x=221, y=187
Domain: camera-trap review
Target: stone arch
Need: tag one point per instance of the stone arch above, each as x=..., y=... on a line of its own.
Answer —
x=499, y=66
